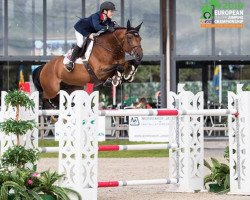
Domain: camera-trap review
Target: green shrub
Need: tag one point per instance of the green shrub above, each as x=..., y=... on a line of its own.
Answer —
x=19, y=156
x=17, y=127
x=18, y=98
x=220, y=172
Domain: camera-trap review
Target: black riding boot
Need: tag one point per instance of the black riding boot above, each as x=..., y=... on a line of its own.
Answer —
x=70, y=66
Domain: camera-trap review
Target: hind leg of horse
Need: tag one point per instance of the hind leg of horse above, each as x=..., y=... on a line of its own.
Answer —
x=51, y=90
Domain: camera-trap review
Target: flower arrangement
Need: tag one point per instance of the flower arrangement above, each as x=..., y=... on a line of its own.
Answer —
x=18, y=176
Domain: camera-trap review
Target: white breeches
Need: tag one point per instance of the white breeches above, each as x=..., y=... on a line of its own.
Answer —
x=79, y=39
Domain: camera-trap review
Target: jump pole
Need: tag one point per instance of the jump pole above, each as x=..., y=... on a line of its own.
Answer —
x=119, y=147
x=167, y=112
x=136, y=182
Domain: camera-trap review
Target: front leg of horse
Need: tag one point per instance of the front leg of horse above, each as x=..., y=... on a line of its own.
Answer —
x=116, y=78
x=130, y=67
x=124, y=73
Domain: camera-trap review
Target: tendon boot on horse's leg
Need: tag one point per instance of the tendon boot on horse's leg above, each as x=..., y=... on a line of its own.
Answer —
x=70, y=66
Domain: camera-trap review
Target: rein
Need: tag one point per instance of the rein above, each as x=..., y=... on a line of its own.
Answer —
x=109, y=50
x=120, y=44
x=101, y=45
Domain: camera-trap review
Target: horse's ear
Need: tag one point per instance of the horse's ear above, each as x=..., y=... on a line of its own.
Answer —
x=138, y=27
x=128, y=25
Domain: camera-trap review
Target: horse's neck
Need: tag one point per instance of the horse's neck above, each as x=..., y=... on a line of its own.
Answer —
x=115, y=39
x=112, y=44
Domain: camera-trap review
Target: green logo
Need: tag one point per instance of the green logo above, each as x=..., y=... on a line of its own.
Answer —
x=208, y=8
x=222, y=14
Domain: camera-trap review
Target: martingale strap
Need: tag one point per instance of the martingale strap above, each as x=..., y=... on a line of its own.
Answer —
x=93, y=78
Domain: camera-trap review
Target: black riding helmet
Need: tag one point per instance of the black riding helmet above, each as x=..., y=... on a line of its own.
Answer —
x=107, y=5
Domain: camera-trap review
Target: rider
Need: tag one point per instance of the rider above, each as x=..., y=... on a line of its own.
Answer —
x=99, y=21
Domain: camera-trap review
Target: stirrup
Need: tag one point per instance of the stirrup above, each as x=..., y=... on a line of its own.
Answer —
x=70, y=66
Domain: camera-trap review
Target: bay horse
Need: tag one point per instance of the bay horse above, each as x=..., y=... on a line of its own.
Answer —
x=108, y=54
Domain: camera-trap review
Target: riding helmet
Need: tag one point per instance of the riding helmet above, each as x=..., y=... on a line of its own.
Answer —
x=107, y=5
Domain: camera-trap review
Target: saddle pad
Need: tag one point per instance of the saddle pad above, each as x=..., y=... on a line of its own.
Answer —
x=79, y=60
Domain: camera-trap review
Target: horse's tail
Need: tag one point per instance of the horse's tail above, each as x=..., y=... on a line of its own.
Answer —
x=36, y=78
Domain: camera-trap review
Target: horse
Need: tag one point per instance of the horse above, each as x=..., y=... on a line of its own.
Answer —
x=107, y=56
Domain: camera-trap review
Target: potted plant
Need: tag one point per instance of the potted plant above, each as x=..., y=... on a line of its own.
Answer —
x=18, y=176
x=219, y=178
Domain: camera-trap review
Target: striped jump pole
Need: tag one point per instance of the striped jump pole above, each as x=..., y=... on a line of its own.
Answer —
x=136, y=182
x=153, y=112
x=119, y=147
x=167, y=112
x=136, y=147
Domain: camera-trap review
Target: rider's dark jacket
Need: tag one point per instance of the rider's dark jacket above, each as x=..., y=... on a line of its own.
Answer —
x=92, y=24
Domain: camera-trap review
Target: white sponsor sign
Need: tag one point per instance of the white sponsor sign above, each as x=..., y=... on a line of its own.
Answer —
x=150, y=128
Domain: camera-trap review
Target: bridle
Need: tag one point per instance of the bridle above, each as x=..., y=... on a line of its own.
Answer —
x=121, y=44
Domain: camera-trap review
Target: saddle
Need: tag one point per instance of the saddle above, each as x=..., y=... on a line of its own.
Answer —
x=87, y=49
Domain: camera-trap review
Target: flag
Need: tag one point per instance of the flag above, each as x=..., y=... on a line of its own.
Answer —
x=22, y=85
x=216, y=79
x=21, y=76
